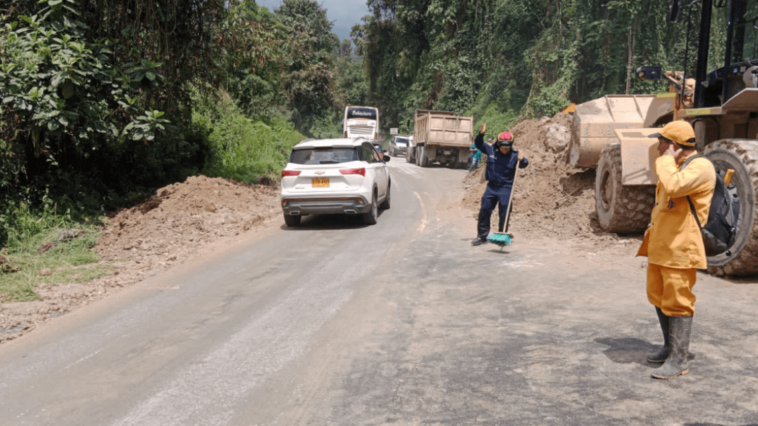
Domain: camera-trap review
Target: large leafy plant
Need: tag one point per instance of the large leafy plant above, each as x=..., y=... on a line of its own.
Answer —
x=63, y=100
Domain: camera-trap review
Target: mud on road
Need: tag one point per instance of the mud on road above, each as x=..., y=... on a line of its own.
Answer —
x=179, y=222
x=551, y=198
x=188, y=219
x=553, y=330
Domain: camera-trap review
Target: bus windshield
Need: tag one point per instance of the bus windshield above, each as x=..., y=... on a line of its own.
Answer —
x=365, y=113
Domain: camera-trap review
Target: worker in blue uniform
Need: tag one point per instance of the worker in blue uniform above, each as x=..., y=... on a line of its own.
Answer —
x=501, y=170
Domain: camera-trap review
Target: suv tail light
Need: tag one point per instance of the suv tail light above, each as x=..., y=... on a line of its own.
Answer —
x=361, y=172
x=290, y=173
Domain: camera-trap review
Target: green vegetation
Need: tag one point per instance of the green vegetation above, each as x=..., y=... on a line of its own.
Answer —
x=504, y=59
x=89, y=122
x=241, y=148
x=68, y=246
x=104, y=102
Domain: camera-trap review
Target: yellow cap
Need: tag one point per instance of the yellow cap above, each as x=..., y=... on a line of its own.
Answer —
x=680, y=132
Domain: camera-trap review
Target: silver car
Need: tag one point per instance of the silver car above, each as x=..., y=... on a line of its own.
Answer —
x=399, y=146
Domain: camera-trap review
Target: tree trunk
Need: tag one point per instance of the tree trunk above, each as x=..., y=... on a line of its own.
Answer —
x=630, y=59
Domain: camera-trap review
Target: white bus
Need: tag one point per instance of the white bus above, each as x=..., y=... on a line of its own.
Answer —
x=361, y=121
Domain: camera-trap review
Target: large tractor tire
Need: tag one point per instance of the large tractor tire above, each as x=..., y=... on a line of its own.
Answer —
x=620, y=209
x=741, y=155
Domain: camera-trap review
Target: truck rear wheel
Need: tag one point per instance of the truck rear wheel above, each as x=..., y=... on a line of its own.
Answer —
x=741, y=155
x=620, y=209
x=422, y=160
x=409, y=155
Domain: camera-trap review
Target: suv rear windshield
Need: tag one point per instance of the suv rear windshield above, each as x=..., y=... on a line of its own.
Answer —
x=323, y=156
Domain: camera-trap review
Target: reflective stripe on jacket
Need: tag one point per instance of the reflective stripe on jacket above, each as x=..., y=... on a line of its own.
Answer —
x=673, y=238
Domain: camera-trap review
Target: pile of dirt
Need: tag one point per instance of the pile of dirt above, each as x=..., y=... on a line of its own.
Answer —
x=182, y=220
x=551, y=198
x=181, y=217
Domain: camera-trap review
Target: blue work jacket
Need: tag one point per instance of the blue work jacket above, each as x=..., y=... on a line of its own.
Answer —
x=501, y=169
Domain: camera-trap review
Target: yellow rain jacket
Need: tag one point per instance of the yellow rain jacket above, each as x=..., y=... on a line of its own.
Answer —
x=673, y=238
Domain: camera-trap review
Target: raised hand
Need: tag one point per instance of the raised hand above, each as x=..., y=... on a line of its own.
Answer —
x=672, y=151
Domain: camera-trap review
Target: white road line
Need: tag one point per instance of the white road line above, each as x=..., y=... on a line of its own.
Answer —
x=83, y=359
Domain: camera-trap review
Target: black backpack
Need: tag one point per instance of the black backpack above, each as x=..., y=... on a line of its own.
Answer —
x=720, y=231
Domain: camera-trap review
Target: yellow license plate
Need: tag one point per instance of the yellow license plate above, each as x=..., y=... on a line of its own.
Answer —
x=320, y=182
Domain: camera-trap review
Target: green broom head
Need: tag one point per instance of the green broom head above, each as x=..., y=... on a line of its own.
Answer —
x=500, y=239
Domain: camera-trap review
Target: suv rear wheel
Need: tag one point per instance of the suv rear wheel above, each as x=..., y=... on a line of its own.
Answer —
x=372, y=215
x=386, y=203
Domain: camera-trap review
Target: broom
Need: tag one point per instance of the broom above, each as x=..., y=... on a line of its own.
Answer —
x=504, y=238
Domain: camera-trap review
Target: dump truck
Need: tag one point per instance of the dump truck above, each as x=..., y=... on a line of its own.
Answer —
x=440, y=136
x=611, y=134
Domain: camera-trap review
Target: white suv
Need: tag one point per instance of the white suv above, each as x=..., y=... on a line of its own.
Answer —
x=335, y=176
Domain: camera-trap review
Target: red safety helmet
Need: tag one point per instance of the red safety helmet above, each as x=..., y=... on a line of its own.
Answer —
x=505, y=140
x=505, y=136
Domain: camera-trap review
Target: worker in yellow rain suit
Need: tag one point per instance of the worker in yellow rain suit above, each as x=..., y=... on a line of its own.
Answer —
x=673, y=244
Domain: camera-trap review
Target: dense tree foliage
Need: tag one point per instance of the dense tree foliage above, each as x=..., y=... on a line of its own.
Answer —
x=310, y=76
x=104, y=101
x=531, y=58
x=80, y=124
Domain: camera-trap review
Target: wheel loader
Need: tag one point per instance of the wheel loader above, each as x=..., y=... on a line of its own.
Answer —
x=720, y=100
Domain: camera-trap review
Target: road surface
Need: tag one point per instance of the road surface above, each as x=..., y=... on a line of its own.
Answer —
x=337, y=323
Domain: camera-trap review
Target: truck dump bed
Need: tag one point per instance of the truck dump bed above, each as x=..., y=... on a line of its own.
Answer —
x=442, y=128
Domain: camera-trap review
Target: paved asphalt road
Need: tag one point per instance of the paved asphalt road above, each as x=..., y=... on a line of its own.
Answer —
x=403, y=323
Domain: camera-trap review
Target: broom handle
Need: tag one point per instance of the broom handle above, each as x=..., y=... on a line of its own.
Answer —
x=510, y=197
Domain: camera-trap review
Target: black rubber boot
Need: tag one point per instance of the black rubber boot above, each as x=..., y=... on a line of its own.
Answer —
x=662, y=354
x=679, y=338
x=478, y=241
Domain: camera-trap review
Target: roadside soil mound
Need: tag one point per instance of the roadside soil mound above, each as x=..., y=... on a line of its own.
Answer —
x=551, y=198
x=181, y=221
x=182, y=217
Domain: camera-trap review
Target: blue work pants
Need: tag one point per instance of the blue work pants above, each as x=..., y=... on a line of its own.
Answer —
x=493, y=196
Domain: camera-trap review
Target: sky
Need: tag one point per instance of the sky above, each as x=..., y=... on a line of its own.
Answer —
x=342, y=13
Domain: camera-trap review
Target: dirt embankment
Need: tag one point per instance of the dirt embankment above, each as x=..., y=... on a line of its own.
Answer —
x=182, y=217
x=551, y=198
x=179, y=222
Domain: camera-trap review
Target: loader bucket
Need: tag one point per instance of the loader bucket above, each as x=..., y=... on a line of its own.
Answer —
x=596, y=121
